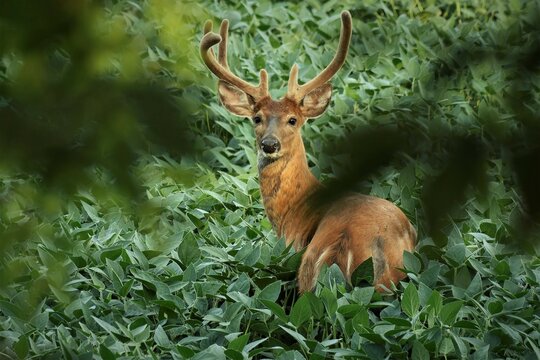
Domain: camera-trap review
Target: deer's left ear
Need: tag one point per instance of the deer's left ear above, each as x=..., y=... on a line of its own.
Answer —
x=315, y=103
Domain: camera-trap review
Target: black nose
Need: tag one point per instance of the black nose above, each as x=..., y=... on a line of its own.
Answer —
x=270, y=145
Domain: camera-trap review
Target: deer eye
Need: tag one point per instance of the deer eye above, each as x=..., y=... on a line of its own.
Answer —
x=257, y=119
x=292, y=121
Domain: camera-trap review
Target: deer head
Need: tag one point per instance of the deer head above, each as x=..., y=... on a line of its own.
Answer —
x=277, y=122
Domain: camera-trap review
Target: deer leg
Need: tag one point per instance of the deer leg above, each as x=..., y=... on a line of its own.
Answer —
x=325, y=248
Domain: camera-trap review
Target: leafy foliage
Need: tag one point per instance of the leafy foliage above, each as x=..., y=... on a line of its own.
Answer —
x=114, y=248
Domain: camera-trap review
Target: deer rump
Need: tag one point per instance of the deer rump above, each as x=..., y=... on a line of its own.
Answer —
x=354, y=229
x=348, y=231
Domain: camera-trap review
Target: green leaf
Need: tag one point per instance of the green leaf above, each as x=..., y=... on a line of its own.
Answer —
x=360, y=321
x=459, y=345
x=276, y=310
x=239, y=343
x=435, y=302
x=252, y=345
x=450, y=311
x=316, y=305
x=330, y=302
x=363, y=274
x=186, y=352
x=430, y=276
x=456, y=254
x=234, y=354
x=271, y=292
x=21, y=347
x=291, y=355
x=106, y=326
x=91, y=212
x=188, y=251
x=475, y=286
x=300, y=312
x=398, y=321
x=105, y=353
x=349, y=310
x=410, y=300
x=296, y=336
x=161, y=338
x=482, y=353
x=213, y=352
x=419, y=352
x=411, y=262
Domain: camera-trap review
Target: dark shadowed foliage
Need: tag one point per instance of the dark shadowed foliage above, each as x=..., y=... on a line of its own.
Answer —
x=60, y=116
x=504, y=126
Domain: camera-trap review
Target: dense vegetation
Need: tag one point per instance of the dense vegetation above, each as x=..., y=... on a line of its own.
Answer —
x=131, y=224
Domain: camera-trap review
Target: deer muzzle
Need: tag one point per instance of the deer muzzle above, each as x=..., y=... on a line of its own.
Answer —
x=270, y=145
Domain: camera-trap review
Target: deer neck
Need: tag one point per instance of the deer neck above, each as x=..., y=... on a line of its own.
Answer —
x=286, y=186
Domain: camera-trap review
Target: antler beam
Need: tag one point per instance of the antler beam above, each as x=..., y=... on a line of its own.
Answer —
x=221, y=68
x=297, y=92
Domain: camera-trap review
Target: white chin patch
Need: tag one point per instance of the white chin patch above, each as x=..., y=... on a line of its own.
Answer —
x=272, y=156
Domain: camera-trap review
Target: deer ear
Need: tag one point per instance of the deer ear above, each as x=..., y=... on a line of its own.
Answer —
x=235, y=100
x=316, y=102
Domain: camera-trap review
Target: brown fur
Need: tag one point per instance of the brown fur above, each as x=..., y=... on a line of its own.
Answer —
x=346, y=232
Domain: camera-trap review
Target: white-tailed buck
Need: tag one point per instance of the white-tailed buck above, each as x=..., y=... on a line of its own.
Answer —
x=347, y=231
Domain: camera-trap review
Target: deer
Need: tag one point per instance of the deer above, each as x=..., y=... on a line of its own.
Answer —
x=347, y=231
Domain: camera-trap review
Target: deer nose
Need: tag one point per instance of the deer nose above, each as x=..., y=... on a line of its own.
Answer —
x=270, y=145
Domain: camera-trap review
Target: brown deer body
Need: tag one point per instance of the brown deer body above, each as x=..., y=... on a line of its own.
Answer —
x=347, y=231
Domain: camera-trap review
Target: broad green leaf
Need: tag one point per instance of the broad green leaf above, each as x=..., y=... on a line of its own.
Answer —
x=271, y=292
x=349, y=310
x=316, y=305
x=291, y=355
x=419, y=352
x=475, y=286
x=185, y=351
x=276, y=310
x=360, y=321
x=106, y=353
x=430, y=275
x=411, y=262
x=456, y=254
x=106, y=326
x=363, y=274
x=188, y=251
x=234, y=354
x=300, y=312
x=21, y=347
x=450, y=311
x=330, y=302
x=410, y=301
x=252, y=345
x=459, y=345
x=160, y=337
x=435, y=303
x=213, y=352
x=91, y=212
x=296, y=336
x=239, y=343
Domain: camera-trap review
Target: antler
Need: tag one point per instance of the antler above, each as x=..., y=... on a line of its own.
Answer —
x=297, y=92
x=221, y=68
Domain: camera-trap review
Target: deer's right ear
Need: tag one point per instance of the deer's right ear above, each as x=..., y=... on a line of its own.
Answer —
x=235, y=100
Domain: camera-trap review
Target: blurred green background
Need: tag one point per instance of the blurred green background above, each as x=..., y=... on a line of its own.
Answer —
x=130, y=219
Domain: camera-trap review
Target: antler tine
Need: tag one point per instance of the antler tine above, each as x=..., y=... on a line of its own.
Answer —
x=223, y=32
x=221, y=69
x=297, y=92
x=207, y=27
x=293, y=80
